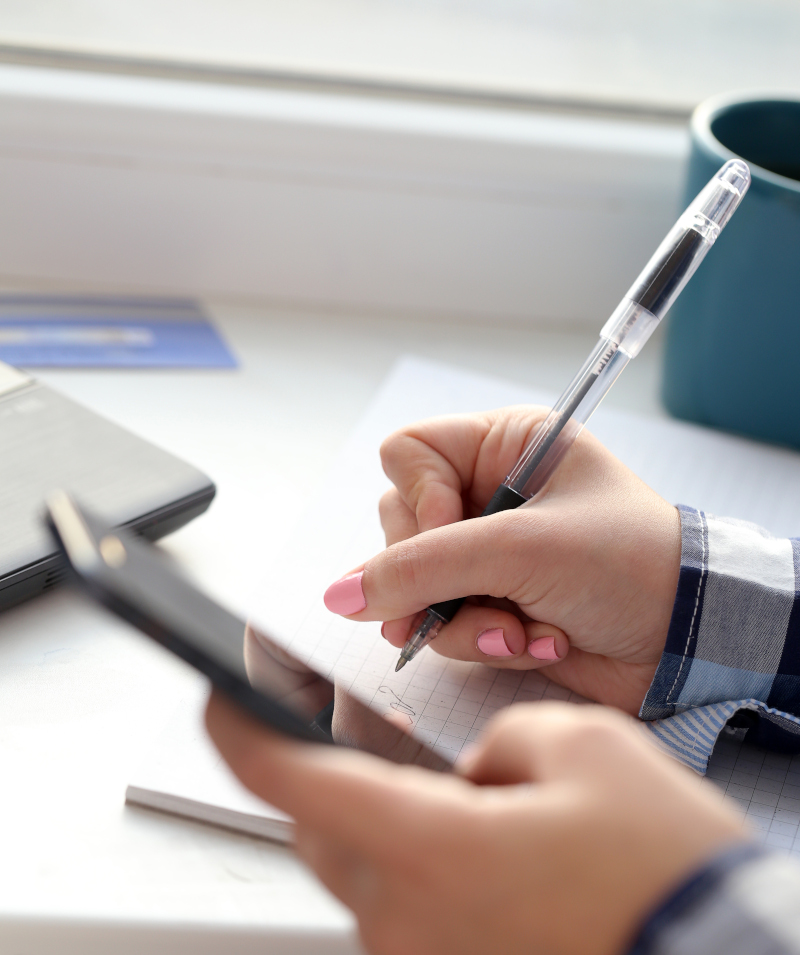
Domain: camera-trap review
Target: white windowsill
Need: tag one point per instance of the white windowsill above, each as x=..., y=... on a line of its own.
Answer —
x=337, y=201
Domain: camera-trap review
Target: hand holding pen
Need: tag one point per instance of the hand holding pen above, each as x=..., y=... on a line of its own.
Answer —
x=583, y=583
x=539, y=455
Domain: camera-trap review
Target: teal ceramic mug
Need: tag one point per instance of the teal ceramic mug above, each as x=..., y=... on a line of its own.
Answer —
x=732, y=351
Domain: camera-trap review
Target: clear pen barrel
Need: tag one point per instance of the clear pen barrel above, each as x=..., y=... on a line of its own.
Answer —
x=621, y=339
x=565, y=422
x=634, y=320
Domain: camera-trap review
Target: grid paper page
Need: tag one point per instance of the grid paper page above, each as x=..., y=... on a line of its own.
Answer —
x=447, y=703
x=765, y=789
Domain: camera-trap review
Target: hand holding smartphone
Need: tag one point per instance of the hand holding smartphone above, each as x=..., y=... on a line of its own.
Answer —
x=128, y=576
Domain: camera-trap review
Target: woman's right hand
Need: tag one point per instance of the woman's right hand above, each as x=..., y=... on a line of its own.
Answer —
x=581, y=580
x=561, y=834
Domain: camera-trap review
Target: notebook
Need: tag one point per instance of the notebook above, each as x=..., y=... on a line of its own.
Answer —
x=446, y=703
x=71, y=331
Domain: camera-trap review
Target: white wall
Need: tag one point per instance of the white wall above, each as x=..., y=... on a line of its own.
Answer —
x=344, y=202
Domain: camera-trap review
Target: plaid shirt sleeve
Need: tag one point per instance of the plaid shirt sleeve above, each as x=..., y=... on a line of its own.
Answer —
x=733, y=647
x=744, y=902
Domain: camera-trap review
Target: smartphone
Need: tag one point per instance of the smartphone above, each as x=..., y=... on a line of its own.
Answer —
x=129, y=576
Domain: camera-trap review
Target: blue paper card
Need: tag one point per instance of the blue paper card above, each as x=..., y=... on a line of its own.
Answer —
x=71, y=332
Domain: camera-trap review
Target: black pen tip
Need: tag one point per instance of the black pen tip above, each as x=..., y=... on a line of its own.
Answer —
x=400, y=664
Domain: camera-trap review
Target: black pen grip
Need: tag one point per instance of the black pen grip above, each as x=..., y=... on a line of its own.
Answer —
x=504, y=499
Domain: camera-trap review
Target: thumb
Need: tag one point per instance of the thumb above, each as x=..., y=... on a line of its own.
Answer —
x=541, y=742
x=475, y=557
x=514, y=746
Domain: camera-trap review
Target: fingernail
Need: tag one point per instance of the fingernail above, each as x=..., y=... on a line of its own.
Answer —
x=346, y=596
x=544, y=649
x=383, y=630
x=493, y=644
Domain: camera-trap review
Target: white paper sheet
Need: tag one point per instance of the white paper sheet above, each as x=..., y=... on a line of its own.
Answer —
x=447, y=703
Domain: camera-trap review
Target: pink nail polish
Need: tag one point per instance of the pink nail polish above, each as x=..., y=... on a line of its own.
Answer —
x=346, y=596
x=493, y=644
x=544, y=649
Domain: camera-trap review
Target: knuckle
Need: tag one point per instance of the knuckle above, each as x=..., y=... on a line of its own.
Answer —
x=388, y=502
x=604, y=729
x=560, y=727
x=591, y=730
x=391, y=450
x=518, y=717
x=503, y=727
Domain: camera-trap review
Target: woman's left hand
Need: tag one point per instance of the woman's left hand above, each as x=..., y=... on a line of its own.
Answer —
x=434, y=864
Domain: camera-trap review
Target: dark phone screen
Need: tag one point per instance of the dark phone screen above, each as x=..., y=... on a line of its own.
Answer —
x=135, y=581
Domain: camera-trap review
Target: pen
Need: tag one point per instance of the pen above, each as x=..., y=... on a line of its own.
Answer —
x=621, y=338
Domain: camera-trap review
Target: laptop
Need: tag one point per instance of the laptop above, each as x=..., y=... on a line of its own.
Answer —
x=48, y=441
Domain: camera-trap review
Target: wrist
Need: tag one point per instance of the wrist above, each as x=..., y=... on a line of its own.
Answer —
x=685, y=901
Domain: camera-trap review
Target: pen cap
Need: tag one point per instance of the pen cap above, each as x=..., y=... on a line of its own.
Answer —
x=677, y=258
x=717, y=202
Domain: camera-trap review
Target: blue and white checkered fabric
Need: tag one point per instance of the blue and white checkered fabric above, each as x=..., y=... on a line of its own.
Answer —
x=744, y=902
x=733, y=643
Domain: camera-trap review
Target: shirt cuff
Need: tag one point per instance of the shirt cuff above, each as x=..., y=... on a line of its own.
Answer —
x=744, y=902
x=734, y=637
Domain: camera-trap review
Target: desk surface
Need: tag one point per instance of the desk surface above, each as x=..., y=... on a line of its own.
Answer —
x=82, y=699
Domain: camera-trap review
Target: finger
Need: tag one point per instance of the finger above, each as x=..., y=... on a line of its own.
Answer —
x=397, y=519
x=356, y=799
x=495, y=555
x=430, y=464
x=509, y=751
x=484, y=634
x=396, y=632
x=500, y=639
x=537, y=742
x=435, y=463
